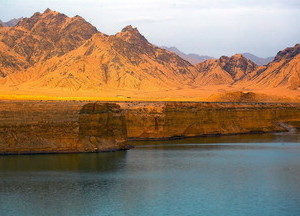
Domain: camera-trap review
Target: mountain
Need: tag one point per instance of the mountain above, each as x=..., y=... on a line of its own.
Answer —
x=284, y=71
x=192, y=58
x=41, y=37
x=258, y=60
x=51, y=54
x=225, y=70
x=2, y=24
x=10, y=23
x=13, y=22
x=125, y=60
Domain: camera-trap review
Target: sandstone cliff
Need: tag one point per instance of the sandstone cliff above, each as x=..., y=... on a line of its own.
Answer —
x=44, y=127
x=177, y=120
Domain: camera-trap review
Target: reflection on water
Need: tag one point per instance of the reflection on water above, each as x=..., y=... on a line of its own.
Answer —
x=206, y=176
x=247, y=138
x=92, y=162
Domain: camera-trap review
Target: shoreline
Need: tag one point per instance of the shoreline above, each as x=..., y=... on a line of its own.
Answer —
x=38, y=127
x=129, y=147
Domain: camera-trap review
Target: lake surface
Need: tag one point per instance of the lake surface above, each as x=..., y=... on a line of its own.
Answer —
x=242, y=175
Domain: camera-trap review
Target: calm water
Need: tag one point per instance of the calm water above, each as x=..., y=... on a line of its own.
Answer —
x=247, y=175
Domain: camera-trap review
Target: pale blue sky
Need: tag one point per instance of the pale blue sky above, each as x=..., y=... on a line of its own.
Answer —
x=207, y=27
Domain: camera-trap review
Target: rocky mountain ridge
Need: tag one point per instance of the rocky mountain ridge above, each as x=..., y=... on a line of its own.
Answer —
x=284, y=71
x=192, y=57
x=258, y=60
x=41, y=37
x=10, y=23
x=125, y=60
x=225, y=70
x=51, y=51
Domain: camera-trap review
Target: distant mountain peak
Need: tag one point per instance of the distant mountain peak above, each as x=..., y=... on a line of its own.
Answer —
x=235, y=57
x=238, y=56
x=38, y=21
x=36, y=14
x=129, y=28
x=131, y=33
x=175, y=49
x=44, y=17
x=78, y=17
x=10, y=23
x=192, y=57
x=48, y=10
x=47, y=15
x=224, y=58
x=258, y=60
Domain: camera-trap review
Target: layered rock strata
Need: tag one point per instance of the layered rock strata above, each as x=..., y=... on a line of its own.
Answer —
x=52, y=127
x=48, y=127
x=178, y=120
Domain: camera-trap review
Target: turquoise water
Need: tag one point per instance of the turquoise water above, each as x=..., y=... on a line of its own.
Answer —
x=209, y=176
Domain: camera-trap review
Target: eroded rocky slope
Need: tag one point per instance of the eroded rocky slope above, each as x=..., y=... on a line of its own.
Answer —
x=40, y=37
x=284, y=71
x=122, y=61
x=225, y=70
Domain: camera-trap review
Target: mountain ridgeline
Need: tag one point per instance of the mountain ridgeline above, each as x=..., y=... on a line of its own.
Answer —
x=39, y=38
x=10, y=23
x=192, y=57
x=225, y=69
x=284, y=71
x=53, y=51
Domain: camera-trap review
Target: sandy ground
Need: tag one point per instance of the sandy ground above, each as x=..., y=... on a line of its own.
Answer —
x=218, y=93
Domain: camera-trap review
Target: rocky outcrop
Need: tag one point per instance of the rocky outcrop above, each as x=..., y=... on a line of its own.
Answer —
x=48, y=127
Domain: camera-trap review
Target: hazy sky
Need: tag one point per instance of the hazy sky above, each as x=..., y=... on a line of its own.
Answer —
x=207, y=27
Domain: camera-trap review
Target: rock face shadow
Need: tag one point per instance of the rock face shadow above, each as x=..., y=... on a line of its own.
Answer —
x=102, y=127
